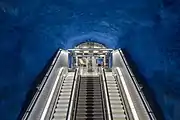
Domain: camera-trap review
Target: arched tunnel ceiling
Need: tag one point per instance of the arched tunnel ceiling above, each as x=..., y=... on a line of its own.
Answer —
x=31, y=31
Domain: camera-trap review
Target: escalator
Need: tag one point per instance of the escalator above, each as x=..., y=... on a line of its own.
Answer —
x=116, y=102
x=95, y=98
x=87, y=94
x=90, y=103
x=62, y=103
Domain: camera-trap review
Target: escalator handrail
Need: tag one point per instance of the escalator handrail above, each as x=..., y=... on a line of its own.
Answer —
x=71, y=101
x=145, y=103
x=39, y=88
x=103, y=95
x=109, y=111
x=76, y=98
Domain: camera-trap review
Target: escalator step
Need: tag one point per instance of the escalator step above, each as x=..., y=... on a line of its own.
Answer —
x=89, y=105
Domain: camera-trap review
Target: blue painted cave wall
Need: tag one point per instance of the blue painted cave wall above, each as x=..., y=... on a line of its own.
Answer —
x=32, y=30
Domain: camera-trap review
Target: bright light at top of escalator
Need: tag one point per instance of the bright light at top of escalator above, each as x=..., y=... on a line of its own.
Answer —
x=86, y=51
x=96, y=51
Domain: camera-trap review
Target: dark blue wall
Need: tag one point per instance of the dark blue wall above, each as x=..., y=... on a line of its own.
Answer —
x=32, y=30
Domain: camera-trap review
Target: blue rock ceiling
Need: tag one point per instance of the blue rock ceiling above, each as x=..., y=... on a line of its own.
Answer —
x=32, y=30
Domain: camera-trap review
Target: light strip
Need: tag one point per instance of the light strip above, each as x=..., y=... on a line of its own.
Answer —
x=51, y=95
x=83, y=49
x=128, y=95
